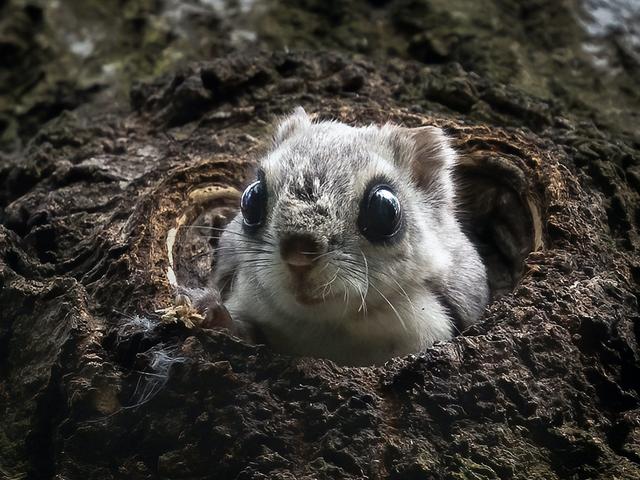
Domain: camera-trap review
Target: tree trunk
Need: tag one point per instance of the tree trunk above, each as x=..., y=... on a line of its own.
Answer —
x=95, y=383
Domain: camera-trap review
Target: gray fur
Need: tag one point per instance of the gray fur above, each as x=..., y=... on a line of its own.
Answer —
x=373, y=301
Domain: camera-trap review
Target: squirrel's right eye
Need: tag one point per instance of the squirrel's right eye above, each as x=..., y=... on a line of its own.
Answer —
x=253, y=203
x=380, y=214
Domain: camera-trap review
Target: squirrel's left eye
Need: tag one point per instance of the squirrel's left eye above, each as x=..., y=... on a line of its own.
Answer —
x=380, y=214
x=253, y=204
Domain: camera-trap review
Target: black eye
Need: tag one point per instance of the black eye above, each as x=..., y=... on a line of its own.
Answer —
x=253, y=203
x=380, y=214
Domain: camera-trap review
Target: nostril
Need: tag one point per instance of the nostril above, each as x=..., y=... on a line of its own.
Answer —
x=299, y=250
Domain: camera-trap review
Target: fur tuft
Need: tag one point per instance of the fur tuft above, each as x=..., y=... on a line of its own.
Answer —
x=298, y=120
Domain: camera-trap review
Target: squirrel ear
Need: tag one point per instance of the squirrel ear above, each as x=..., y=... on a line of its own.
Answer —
x=433, y=157
x=427, y=153
x=297, y=120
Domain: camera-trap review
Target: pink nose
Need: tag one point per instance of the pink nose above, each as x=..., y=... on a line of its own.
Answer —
x=299, y=251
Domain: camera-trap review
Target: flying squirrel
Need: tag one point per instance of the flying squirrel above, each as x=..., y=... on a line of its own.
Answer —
x=347, y=245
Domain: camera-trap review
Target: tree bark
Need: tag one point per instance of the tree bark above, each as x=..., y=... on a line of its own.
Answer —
x=95, y=383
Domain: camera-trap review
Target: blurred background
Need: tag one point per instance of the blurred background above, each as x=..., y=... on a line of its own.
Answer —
x=59, y=54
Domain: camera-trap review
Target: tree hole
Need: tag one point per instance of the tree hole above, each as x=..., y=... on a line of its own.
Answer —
x=499, y=213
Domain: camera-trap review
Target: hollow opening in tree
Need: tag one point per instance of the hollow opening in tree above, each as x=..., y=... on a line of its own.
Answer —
x=500, y=215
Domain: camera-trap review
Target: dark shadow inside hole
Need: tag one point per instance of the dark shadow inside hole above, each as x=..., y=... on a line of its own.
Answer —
x=196, y=242
x=500, y=217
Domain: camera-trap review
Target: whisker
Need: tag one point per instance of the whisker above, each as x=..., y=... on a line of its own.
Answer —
x=356, y=273
x=344, y=295
x=366, y=272
x=318, y=256
x=359, y=272
x=233, y=278
x=233, y=249
x=380, y=272
x=243, y=249
x=325, y=267
x=244, y=241
x=258, y=263
x=327, y=284
x=363, y=305
x=240, y=234
x=404, y=327
x=346, y=300
x=401, y=290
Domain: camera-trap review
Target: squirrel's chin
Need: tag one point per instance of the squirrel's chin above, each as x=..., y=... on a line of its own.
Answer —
x=305, y=297
x=307, y=291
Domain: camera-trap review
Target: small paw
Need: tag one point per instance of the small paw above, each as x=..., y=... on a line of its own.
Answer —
x=208, y=304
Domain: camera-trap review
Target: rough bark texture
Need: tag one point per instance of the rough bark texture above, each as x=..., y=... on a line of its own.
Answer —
x=95, y=205
x=93, y=384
